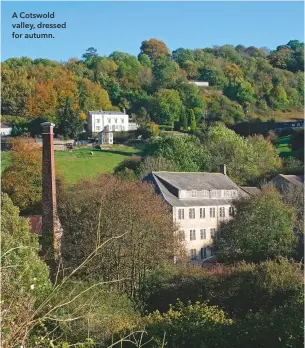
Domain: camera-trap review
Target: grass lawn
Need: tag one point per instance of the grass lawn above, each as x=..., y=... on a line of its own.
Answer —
x=5, y=160
x=282, y=145
x=80, y=164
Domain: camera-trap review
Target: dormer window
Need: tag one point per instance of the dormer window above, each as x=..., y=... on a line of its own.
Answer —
x=194, y=193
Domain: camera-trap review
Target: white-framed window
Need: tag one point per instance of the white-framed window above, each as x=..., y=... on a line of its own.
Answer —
x=218, y=194
x=116, y=120
x=180, y=214
x=193, y=254
x=122, y=120
x=194, y=193
x=113, y=127
x=97, y=120
x=203, y=234
x=205, y=194
x=192, y=234
x=97, y=127
x=222, y=212
x=202, y=213
x=213, y=232
x=213, y=194
x=192, y=213
x=109, y=120
x=231, y=211
x=228, y=193
x=203, y=253
x=212, y=212
x=181, y=235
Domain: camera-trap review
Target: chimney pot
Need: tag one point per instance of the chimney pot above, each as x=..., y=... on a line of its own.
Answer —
x=223, y=169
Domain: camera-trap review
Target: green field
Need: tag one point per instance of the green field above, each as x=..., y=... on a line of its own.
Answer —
x=80, y=164
x=282, y=145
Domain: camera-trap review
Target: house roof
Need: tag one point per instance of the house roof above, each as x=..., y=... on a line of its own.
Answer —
x=35, y=223
x=108, y=112
x=195, y=181
x=294, y=179
x=251, y=190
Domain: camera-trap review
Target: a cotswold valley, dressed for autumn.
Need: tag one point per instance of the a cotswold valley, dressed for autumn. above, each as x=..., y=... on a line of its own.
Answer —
x=154, y=200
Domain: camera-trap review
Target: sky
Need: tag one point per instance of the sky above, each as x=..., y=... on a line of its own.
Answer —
x=122, y=26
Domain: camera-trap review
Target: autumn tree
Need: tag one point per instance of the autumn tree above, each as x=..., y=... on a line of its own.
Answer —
x=138, y=239
x=22, y=179
x=154, y=48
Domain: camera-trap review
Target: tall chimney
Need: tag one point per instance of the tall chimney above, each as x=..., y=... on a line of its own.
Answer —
x=51, y=229
x=223, y=169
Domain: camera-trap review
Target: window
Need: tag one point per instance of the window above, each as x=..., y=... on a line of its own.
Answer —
x=122, y=120
x=97, y=120
x=193, y=254
x=113, y=127
x=203, y=234
x=202, y=213
x=213, y=232
x=212, y=212
x=180, y=214
x=218, y=194
x=181, y=235
x=231, y=211
x=116, y=120
x=213, y=194
x=97, y=128
x=203, y=253
x=194, y=193
x=227, y=193
x=205, y=194
x=192, y=234
x=222, y=212
x=192, y=213
x=109, y=120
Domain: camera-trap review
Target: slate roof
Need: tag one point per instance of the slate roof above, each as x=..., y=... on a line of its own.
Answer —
x=197, y=181
x=108, y=112
x=193, y=181
x=297, y=180
x=251, y=190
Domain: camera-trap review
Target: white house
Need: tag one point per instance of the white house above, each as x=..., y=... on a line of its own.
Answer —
x=116, y=120
x=200, y=83
x=5, y=130
x=105, y=137
x=199, y=203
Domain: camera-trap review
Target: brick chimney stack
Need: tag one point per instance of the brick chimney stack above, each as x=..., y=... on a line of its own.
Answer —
x=51, y=229
x=223, y=169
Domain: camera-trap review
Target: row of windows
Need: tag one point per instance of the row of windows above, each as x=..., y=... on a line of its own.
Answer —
x=209, y=194
x=109, y=120
x=202, y=213
x=203, y=234
x=203, y=253
x=114, y=127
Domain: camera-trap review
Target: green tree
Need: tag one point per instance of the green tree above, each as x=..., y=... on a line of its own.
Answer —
x=262, y=229
x=166, y=106
x=70, y=124
x=24, y=276
x=154, y=164
x=192, y=120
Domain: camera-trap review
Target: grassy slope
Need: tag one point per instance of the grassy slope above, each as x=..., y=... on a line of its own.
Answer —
x=80, y=164
x=282, y=145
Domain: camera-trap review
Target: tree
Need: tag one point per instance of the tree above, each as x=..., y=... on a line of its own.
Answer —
x=166, y=106
x=139, y=238
x=184, y=151
x=154, y=164
x=154, y=48
x=22, y=179
x=166, y=73
x=24, y=276
x=144, y=60
x=192, y=121
x=70, y=124
x=262, y=229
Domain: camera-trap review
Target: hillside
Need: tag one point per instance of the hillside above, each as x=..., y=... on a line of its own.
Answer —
x=155, y=85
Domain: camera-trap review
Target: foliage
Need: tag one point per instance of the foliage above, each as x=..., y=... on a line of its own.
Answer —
x=22, y=179
x=154, y=48
x=89, y=215
x=155, y=164
x=70, y=124
x=184, y=151
x=24, y=277
x=261, y=229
